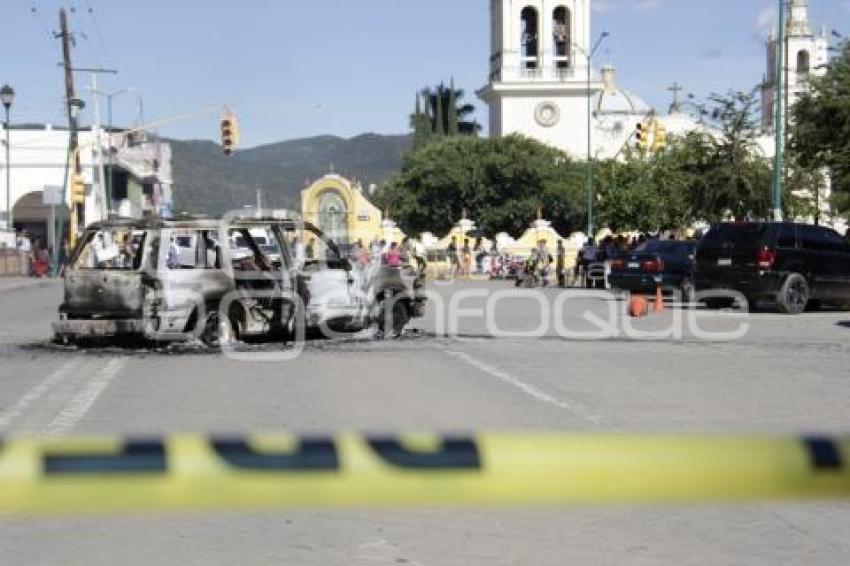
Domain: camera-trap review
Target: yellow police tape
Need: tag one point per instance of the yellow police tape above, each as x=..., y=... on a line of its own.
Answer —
x=205, y=473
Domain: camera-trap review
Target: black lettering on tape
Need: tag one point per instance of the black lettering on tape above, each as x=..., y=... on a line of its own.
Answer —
x=823, y=453
x=312, y=454
x=135, y=457
x=454, y=454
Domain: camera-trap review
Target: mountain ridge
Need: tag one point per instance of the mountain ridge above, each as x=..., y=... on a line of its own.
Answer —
x=207, y=182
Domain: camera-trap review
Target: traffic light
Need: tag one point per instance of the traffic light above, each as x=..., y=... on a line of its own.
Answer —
x=78, y=190
x=660, y=141
x=642, y=133
x=229, y=134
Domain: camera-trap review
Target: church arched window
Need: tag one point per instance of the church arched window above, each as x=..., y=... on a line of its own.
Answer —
x=562, y=35
x=803, y=62
x=530, y=26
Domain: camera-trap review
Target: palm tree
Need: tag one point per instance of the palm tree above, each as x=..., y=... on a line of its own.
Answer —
x=446, y=112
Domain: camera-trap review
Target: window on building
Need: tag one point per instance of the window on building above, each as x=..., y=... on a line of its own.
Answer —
x=562, y=36
x=120, y=179
x=803, y=62
x=530, y=26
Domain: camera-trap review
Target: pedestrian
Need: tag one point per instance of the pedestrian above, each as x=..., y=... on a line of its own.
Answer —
x=393, y=256
x=544, y=262
x=589, y=255
x=64, y=256
x=479, y=252
x=311, y=249
x=466, y=258
x=361, y=255
x=299, y=253
x=451, y=255
x=24, y=246
x=561, y=264
x=172, y=260
x=408, y=251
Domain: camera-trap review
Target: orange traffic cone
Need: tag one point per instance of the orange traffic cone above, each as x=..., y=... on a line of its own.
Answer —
x=638, y=306
x=659, y=299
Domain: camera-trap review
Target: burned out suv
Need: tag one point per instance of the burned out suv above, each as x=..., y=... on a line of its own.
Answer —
x=795, y=265
x=216, y=280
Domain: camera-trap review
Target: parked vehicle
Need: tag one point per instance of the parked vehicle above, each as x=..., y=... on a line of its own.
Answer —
x=168, y=281
x=668, y=263
x=795, y=265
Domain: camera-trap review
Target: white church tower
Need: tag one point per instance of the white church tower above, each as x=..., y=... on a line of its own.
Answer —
x=538, y=71
x=805, y=55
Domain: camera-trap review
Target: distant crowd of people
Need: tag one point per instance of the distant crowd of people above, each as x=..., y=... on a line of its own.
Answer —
x=378, y=252
x=36, y=258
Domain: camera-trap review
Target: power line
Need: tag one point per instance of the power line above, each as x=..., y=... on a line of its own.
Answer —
x=37, y=17
x=97, y=30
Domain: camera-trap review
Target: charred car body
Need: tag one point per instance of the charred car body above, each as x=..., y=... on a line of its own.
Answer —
x=180, y=280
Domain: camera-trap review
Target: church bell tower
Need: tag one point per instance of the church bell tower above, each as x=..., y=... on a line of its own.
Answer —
x=805, y=55
x=538, y=71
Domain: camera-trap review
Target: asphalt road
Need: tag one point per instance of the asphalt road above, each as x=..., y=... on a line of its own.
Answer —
x=781, y=375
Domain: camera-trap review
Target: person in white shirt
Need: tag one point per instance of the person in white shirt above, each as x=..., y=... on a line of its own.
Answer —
x=24, y=246
x=299, y=258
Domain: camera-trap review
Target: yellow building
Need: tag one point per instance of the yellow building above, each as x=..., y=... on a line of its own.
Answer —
x=341, y=210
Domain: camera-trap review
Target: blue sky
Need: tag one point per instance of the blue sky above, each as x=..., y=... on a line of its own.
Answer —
x=300, y=68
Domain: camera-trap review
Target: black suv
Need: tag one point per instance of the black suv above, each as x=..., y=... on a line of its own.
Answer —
x=795, y=265
x=665, y=262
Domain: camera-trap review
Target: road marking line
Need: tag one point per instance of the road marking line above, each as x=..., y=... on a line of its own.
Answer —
x=567, y=404
x=36, y=393
x=80, y=404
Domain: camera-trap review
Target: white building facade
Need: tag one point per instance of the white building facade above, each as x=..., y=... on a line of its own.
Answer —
x=805, y=55
x=140, y=173
x=538, y=71
x=539, y=83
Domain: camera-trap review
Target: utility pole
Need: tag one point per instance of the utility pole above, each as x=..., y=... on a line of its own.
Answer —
x=73, y=140
x=778, y=161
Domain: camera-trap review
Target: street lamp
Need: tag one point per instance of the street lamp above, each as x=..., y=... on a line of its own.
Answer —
x=590, y=193
x=7, y=96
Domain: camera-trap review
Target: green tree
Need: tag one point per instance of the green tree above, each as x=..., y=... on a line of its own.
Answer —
x=443, y=114
x=452, y=112
x=736, y=179
x=501, y=182
x=420, y=123
x=699, y=176
x=820, y=137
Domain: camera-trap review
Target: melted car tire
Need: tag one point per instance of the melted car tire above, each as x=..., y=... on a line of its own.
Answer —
x=794, y=295
x=214, y=331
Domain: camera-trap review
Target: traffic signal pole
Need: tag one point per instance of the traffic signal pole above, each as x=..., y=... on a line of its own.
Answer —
x=778, y=160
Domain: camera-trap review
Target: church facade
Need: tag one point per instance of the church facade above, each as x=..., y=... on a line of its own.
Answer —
x=541, y=77
x=805, y=55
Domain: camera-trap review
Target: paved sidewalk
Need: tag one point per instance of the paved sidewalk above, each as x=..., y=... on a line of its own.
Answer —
x=11, y=283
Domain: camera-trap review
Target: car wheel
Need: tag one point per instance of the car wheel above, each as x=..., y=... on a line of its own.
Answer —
x=794, y=295
x=393, y=318
x=238, y=323
x=215, y=333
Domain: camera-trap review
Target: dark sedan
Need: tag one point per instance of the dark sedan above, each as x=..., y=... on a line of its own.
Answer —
x=665, y=262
